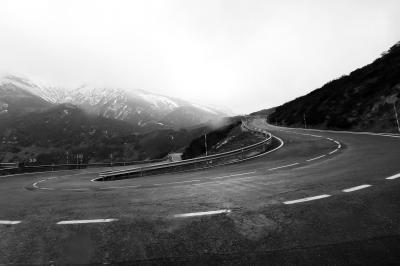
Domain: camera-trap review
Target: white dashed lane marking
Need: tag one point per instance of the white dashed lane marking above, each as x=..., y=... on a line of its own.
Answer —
x=9, y=222
x=293, y=164
x=322, y=156
x=193, y=214
x=393, y=176
x=307, y=199
x=355, y=188
x=87, y=221
x=218, y=177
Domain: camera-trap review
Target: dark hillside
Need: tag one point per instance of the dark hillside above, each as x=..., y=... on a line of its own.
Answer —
x=362, y=100
x=14, y=100
x=197, y=146
x=65, y=130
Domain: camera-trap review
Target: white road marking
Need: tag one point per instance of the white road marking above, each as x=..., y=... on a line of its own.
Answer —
x=75, y=189
x=322, y=156
x=314, y=136
x=193, y=214
x=87, y=221
x=120, y=187
x=35, y=184
x=393, y=176
x=283, y=166
x=352, y=132
x=330, y=139
x=9, y=222
x=178, y=182
x=307, y=199
x=355, y=188
x=45, y=188
x=218, y=177
x=332, y=152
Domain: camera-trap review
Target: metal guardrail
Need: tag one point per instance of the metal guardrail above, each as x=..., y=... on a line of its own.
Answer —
x=195, y=163
x=17, y=169
x=8, y=165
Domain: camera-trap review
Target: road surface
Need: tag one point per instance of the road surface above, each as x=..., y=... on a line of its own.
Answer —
x=321, y=198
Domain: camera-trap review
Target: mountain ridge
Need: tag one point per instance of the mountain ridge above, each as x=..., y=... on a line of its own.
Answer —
x=136, y=106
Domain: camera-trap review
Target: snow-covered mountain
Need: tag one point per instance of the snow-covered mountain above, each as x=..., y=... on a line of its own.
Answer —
x=136, y=106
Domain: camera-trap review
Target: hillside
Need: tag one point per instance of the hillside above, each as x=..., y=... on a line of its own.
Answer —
x=362, y=100
x=226, y=137
x=14, y=100
x=65, y=130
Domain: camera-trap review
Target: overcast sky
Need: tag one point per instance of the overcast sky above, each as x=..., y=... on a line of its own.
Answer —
x=245, y=55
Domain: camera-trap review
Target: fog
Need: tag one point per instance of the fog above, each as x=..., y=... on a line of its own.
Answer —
x=245, y=55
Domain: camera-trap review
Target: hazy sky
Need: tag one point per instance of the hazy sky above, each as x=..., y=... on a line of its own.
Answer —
x=246, y=55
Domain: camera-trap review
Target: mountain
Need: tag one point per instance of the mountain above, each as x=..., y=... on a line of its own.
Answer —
x=140, y=108
x=15, y=100
x=363, y=100
x=65, y=130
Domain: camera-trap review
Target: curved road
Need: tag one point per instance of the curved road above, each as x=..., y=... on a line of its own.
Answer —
x=321, y=198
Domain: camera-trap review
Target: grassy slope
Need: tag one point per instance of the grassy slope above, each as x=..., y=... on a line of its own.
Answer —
x=362, y=100
x=225, y=138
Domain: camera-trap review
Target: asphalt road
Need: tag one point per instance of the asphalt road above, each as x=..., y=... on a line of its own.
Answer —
x=323, y=198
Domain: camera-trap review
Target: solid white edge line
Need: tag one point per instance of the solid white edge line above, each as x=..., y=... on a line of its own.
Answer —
x=177, y=182
x=332, y=152
x=322, y=156
x=355, y=188
x=283, y=166
x=9, y=222
x=120, y=187
x=218, y=177
x=393, y=176
x=87, y=221
x=193, y=214
x=345, y=132
x=307, y=199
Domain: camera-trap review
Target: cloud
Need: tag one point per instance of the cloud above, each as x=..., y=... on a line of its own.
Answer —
x=246, y=55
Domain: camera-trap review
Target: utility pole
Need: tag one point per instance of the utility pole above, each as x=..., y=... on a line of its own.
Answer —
x=304, y=118
x=397, y=118
x=205, y=142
